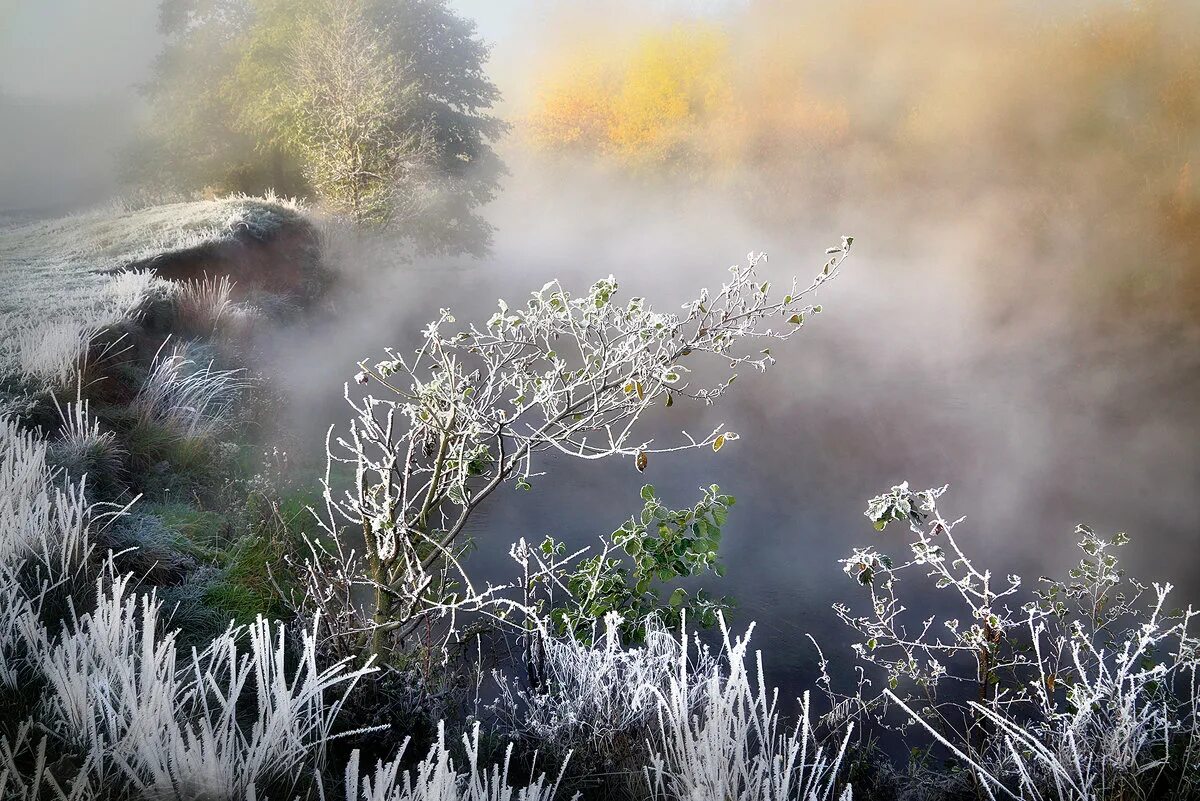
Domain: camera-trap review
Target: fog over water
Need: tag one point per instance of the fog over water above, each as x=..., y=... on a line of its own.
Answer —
x=910, y=373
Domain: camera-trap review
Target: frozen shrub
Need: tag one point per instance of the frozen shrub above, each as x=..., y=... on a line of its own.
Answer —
x=475, y=408
x=1077, y=689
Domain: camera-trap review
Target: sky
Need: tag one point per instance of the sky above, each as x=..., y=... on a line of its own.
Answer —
x=76, y=50
x=502, y=20
x=89, y=49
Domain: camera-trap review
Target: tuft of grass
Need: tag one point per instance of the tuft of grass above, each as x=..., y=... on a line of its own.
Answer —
x=256, y=578
x=199, y=532
x=170, y=465
x=737, y=747
x=201, y=305
x=438, y=778
x=150, y=548
x=193, y=400
x=236, y=719
x=82, y=449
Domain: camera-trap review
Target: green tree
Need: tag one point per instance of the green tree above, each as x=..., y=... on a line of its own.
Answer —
x=379, y=108
x=453, y=103
x=193, y=138
x=344, y=116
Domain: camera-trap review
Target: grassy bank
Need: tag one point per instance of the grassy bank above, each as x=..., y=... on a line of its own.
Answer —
x=127, y=337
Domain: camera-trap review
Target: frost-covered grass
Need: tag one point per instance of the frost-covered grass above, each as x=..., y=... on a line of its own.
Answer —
x=200, y=305
x=81, y=447
x=437, y=778
x=41, y=523
x=192, y=399
x=118, y=711
x=733, y=742
x=237, y=715
x=64, y=279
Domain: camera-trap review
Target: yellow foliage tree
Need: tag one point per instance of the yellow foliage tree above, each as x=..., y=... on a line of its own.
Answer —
x=676, y=84
x=650, y=104
x=574, y=112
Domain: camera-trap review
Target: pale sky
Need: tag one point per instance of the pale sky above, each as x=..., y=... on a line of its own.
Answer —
x=86, y=49
x=76, y=49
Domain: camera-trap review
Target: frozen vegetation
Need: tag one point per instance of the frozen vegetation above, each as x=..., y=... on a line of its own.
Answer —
x=338, y=645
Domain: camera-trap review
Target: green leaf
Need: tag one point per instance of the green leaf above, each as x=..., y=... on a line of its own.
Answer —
x=648, y=492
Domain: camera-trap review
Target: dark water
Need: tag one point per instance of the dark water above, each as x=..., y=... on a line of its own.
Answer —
x=919, y=369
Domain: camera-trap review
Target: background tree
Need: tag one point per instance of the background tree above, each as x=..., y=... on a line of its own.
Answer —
x=654, y=105
x=348, y=99
x=379, y=108
x=193, y=139
x=452, y=105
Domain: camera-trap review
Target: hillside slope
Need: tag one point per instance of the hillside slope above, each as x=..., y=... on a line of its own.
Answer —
x=71, y=286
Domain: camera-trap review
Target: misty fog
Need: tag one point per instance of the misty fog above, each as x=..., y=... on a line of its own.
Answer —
x=902, y=377
x=1017, y=319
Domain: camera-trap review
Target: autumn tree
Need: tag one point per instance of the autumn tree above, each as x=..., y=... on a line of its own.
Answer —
x=649, y=106
x=676, y=84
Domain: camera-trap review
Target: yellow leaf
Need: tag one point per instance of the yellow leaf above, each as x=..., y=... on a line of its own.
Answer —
x=718, y=443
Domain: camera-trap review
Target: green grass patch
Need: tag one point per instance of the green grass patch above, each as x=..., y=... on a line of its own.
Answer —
x=198, y=532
